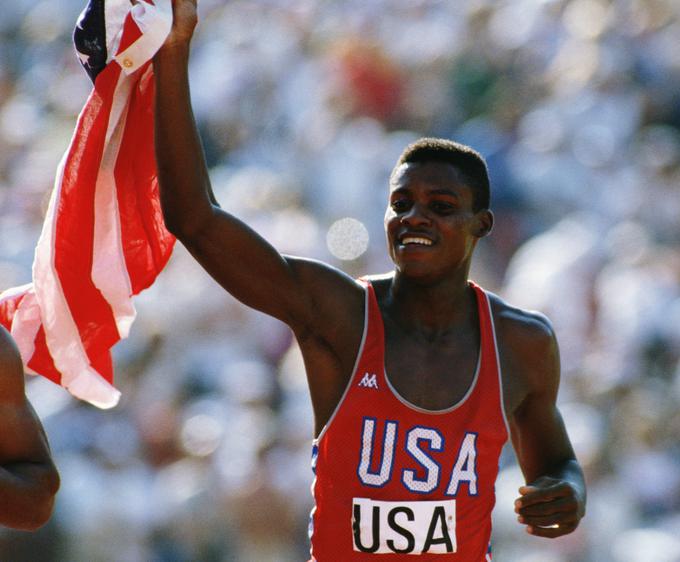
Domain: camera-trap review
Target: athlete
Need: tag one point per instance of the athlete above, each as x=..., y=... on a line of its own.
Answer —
x=417, y=377
x=28, y=478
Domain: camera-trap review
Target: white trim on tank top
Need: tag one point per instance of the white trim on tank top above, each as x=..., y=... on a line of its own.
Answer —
x=422, y=410
x=473, y=384
x=317, y=439
x=498, y=365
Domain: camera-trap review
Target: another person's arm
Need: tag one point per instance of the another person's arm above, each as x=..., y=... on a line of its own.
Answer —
x=553, y=500
x=28, y=477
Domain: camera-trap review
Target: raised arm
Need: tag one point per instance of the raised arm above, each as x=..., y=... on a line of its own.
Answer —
x=237, y=257
x=552, y=502
x=28, y=478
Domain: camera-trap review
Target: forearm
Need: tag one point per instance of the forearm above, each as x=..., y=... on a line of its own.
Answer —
x=186, y=196
x=255, y=272
x=27, y=492
x=540, y=463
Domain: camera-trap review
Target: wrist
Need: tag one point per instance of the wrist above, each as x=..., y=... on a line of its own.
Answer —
x=173, y=49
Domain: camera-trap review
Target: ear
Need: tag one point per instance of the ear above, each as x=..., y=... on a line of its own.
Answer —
x=483, y=223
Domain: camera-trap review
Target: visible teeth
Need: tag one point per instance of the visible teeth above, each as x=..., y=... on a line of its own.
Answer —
x=415, y=240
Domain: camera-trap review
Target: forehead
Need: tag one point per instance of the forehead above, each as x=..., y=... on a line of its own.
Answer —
x=429, y=175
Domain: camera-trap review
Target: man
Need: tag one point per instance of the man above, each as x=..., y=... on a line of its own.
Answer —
x=404, y=369
x=28, y=478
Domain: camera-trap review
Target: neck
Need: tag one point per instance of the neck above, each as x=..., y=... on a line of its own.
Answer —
x=430, y=308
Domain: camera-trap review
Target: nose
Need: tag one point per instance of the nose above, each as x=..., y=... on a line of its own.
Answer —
x=415, y=216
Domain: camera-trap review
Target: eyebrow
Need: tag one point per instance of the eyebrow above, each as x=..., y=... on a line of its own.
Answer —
x=435, y=191
x=442, y=191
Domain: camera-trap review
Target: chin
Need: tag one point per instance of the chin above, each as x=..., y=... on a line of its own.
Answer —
x=419, y=273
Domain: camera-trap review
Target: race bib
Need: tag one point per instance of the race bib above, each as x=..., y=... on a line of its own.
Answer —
x=404, y=527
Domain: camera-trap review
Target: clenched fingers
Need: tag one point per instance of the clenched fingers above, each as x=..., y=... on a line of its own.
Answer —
x=552, y=531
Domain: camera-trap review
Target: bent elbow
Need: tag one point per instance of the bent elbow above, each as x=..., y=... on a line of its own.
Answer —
x=41, y=504
x=38, y=516
x=185, y=225
x=184, y=230
x=173, y=226
x=32, y=517
x=174, y=221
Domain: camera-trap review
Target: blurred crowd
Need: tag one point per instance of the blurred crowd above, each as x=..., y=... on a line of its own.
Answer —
x=303, y=108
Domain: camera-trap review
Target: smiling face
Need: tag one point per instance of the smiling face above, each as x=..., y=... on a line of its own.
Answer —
x=430, y=223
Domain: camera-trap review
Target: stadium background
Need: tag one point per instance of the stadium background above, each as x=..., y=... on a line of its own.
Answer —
x=304, y=107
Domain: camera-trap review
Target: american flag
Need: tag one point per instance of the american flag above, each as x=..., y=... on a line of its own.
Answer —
x=103, y=239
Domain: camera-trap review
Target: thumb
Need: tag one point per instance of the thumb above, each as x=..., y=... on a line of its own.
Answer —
x=527, y=489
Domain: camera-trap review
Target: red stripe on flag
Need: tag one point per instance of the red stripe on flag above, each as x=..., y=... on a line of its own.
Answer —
x=147, y=244
x=84, y=271
x=74, y=228
x=41, y=361
x=131, y=33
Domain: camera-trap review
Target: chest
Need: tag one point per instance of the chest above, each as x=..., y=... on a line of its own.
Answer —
x=434, y=375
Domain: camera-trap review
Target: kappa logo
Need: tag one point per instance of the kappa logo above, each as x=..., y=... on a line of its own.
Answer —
x=369, y=381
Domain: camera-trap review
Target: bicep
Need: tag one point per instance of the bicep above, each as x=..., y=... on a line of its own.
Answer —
x=258, y=275
x=539, y=435
x=247, y=266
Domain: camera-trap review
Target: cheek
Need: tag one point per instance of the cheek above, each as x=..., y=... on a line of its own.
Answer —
x=390, y=221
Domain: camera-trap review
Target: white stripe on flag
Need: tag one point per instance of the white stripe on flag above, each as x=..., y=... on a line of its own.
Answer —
x=61, y=333
x=78, y=192
x=26, y=320
x=115, y=12
x=155, y=23
x=109, y=271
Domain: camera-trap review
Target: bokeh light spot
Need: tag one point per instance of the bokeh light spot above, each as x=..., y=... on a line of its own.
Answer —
x=201, y=435
x=347, y=239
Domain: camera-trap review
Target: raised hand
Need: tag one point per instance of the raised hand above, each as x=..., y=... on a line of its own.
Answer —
x=183, y=22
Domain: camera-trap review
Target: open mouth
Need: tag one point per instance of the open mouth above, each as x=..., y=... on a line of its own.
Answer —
x=415, y=241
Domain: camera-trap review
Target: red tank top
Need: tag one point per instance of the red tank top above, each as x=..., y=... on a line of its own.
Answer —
x=395, y=480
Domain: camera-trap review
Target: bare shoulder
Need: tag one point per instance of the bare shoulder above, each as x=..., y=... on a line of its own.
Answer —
x=524, y=328
x=11, y=369
x=337, y=298
x=527, y=348
x=321, y=275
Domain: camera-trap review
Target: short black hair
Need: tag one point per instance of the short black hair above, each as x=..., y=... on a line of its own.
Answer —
x=466, y=160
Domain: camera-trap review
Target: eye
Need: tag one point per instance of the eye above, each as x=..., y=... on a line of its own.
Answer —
x=442, y=207
x=400, y=205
